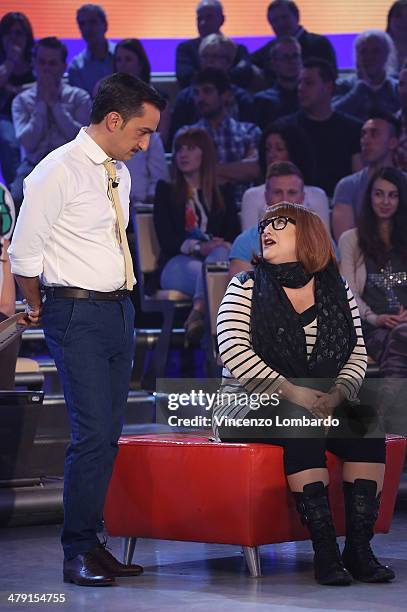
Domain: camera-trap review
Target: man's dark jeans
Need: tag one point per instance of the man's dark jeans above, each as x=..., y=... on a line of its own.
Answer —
x=92, y=343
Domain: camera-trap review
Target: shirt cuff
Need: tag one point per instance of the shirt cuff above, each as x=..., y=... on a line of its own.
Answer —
x=26, y=267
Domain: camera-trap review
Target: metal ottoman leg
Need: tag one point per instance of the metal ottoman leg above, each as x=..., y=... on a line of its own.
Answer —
x=252, y=556
x=128, y=550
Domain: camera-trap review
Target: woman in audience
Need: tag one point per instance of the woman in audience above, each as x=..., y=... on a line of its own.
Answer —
x=195, y=221
x=290, y=330
x=16, y=43
x=149, y=167
x=282, y=143
x=374, y=262
x=8, y=356
x=397, y=29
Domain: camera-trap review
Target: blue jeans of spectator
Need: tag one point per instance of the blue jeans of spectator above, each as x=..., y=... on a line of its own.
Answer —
x=16, y=187
x=184, y=273
x=9, y=150
x=92, y=344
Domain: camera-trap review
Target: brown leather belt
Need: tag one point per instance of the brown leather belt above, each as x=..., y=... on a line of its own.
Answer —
x=85, y=294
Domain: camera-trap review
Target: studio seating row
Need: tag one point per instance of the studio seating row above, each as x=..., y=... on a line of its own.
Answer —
x=188, y=488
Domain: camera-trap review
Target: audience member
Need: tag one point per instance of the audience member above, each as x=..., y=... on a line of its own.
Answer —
x=284, y=18
x=397, y=29
x=379, y=140
x=279, y=144
x=48, y=114
x=374, y=87
x=210, y=18
x=195, y=221
x=333, y=137
x=400, y=157
x=215, y=51
x=236, y=142
x=16, y=42
x=7, y=213
x=284, y=183
x=374, y=262
x=282, y=98
x=146, y=167
x=7, y=309
x=96, y=61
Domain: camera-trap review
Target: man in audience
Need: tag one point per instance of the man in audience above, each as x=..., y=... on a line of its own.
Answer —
x=236, y=142
x=333, y=137
x=400, y=158
x=282, y=98
x=375, y=87
x=284, y=18
x=215, y=51
x=96, y=61
x=209, y=18
x=48, y=114
x=284, y=183
x=379, y=140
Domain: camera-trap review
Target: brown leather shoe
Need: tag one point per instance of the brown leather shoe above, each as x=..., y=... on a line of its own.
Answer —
x=85, y=570
x=112, y=565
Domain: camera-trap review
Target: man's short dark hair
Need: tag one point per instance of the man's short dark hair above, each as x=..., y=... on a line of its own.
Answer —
x=124, y=94
x=288, y=3
x=52, y=42
x=92, y=8
x=283, y=168
x=327, y=72
x=215, y=76
x=376, y=113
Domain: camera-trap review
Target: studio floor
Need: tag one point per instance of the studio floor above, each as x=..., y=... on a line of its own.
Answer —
x=194, y=577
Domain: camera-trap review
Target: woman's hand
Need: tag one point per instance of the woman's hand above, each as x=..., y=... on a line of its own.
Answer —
x=303, y=396
x=326, y=403
x=389, y=320
x=208, y=246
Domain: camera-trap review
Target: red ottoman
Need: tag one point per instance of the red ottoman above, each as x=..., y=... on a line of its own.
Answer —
x=184, y=487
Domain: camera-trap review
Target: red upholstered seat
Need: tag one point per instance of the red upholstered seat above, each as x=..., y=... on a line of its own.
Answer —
x=184, y=487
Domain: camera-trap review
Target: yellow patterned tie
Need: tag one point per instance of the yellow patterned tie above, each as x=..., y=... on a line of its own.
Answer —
x=113, y=194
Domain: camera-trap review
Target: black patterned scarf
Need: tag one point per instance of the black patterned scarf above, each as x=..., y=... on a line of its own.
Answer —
x=278, y=336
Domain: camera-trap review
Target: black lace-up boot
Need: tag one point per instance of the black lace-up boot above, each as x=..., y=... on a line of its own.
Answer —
x=313, y=506
x=362, y=508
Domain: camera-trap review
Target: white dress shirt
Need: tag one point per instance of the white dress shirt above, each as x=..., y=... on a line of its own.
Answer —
x=66, y=229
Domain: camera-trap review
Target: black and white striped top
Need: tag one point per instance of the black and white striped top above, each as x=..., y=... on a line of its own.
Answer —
x=244, y=369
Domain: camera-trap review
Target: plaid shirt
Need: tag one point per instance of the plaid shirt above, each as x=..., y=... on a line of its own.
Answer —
x=233, y=139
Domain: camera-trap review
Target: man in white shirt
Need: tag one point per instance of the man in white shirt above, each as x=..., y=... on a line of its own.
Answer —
x=70, y=236
x=48, y=114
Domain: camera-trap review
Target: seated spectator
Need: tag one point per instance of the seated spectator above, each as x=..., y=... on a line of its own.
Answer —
x=282, y=98
x=284, y=183
x=375, y=87
x=210, y=18
x=374, y=262
x=215, y=51
x=397, y=29
x=48, y=114
x=284, y=18
x=147, y=167
x=279, y=144
x=333, y=137
x=7, y=213
x=16, y=43
x=236, y=142
x=7, y=309
x=195, y=221
x=400, y=157
x=96, y=61
x=379, y=140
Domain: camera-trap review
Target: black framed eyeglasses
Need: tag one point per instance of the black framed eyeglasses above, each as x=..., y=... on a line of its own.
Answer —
x=278, y=223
